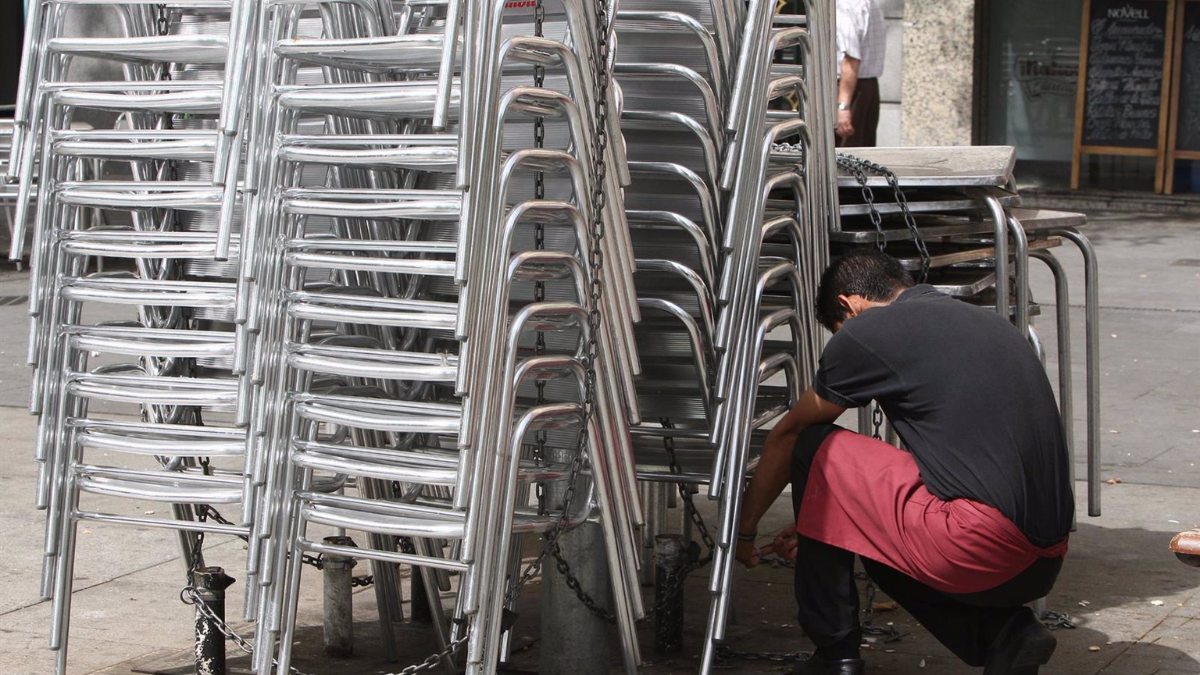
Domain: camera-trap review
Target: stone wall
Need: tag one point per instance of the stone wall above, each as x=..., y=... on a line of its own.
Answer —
x=890, y=82
x=938, y=73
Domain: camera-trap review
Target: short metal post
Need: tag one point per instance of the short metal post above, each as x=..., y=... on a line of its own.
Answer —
x=574, y=640
x=210, y=584
x=669, y=555
x=338, y=609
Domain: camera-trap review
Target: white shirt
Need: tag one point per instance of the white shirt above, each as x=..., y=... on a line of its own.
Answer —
x=861, y=33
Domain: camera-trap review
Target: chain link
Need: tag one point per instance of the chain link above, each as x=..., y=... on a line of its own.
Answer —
x=539, y=243
x=876, y=421
x=190, y=596
x=1057, y=620
x=859, y=167
x=847, y=163
x=163, y=23
x=675, y=578
x=318, y=562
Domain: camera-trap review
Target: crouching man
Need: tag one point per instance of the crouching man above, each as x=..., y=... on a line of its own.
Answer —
x=963, y=527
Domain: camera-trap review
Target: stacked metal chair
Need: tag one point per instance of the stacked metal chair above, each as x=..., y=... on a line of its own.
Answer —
x=410, y=295
x=380, y=339
x=154, y=389
x=725, y=275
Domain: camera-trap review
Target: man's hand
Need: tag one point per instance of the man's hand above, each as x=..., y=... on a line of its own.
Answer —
x=784, y=545
x=845, y=129
x=747, y=554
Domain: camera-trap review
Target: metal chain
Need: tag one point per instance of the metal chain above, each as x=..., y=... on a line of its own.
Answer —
x=163, y=22
x=858, y=167
x=539, y=243
x=318, y=562
x=1057, y=620
x=689, y=505
x=676, y=578
x=848, y=163
x=867, y=615
x=191, y=597
x=876, y=421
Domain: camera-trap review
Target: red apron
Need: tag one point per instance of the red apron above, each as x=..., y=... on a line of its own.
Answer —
x=866, y=496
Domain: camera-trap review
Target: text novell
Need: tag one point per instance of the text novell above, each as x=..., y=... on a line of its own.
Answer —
x=518, y=4
x=1126, y=12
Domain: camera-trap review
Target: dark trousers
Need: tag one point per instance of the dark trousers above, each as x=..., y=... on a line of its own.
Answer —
x=828, y=597
x=864, y=116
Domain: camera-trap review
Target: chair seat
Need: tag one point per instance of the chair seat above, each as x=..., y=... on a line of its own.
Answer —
x=351, y=203
x=386, y=99
x=159, y=486
x=192, y=49
x=133, y=291
x=185, y=145
x=409, y=153
x=121, y=97
x=146, y=438
x=375, y=311
x=152, y=342
x=415, y=417
x=112, y=243
x=380, y=54
x=155, y=390
x=133, y=195
x=373, y=363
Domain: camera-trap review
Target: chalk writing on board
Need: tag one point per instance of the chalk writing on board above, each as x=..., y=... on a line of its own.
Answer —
x=1123, y=95
x=1187, y=134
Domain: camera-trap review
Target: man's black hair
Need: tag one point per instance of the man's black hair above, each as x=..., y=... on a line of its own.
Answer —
x=872, y=274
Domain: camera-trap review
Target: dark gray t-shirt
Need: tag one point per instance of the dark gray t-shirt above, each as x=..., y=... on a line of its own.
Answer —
x=969, y=398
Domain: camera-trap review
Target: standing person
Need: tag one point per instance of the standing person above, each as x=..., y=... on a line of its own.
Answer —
x=962, y=529
x=861, y=44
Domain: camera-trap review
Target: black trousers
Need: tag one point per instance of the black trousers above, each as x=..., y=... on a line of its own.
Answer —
x=828, y=597
x=864, y=116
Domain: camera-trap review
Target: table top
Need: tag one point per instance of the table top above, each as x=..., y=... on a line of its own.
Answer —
x=1044, y=219
x=957, y=166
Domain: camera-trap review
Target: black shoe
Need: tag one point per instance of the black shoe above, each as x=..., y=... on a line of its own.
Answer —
x=815, y=665
x=1023, y=645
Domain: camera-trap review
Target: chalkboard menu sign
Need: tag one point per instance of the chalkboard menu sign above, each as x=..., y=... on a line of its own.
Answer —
x=1184, y=141
x=1188, y=76
x=1124, y=80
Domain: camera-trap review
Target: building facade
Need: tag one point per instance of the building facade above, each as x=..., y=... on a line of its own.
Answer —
x=1005, y=72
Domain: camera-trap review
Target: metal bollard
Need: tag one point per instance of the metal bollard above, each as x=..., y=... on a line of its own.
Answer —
x=338, y=609
x=210, y=583
x=669, y=555
x=574, y=641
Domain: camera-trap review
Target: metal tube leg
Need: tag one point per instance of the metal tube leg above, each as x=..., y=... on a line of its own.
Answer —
x=1062, y=306
x=1021, y=274
x=1091, y=283
x=1000, y=233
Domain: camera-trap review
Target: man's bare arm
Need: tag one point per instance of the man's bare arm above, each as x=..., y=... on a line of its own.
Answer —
x=846, y=86
x=774, y=466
